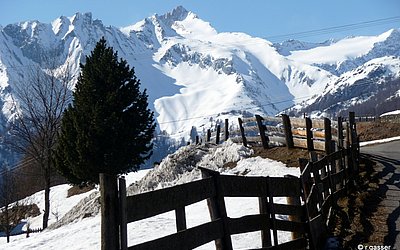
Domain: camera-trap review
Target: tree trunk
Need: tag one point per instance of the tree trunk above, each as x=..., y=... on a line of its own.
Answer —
x=46, y=199
x=7, y=223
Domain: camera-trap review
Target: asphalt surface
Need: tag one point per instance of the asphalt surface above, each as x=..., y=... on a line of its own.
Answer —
x=387, y=156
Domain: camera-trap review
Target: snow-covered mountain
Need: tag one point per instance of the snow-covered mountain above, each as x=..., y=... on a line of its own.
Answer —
x=194, y=74
x=367, y=70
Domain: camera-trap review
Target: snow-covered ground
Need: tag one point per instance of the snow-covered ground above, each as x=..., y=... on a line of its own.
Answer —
x=84, y=233
x=395, y=112
x=366, y=143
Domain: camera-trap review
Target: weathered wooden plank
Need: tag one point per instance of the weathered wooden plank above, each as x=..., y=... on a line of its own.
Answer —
x=300, y=143
x=326, y=206
x=253, y=139
x=318, y=123
x=226, y=130
x=262, y=129
x=277, y=139
x=318, y=232
x=248, y=223
x=288, y=131
x=160, y=201
x=274, y=129
x=248, y=119
x=109, y=212
x=297, y=122
x=242, y=133
x=318, y=134
x=290, y=226
x=180, y=216
x=303, y=133
x=265, y=232
x=217, y=209
x=284, y=187
x=328, y=136
x=241, y=186
x=299, y=132
x=312, y=202
x=272, y=119
x=122, y=214
x=187, y=239
x=237, y=139
x=286, y=209
x=337, y=178
x=319, y=145
x=251, y=129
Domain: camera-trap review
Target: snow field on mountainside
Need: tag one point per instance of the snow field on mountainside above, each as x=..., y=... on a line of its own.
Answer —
x=85, y=233
x=340, y=51
x=191, y=71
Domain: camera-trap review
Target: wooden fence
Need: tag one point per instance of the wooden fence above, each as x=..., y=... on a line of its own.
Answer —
x=213, y=188
x=312, y=134
x=311, y=202
x=312, y=198
x=28, y=231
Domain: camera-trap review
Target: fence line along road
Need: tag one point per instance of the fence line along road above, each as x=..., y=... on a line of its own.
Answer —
x=311, y=201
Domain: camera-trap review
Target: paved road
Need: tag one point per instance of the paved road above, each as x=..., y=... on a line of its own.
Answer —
x=387, y=156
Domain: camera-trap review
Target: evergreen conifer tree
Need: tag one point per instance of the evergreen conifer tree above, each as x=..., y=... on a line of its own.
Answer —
x=108, y=128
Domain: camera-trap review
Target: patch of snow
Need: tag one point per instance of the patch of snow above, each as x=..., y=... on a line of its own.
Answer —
x=367, y=143
x=395, y=112
x=340, y=51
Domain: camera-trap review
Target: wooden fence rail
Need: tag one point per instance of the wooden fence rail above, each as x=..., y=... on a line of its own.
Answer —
x=311, y=134
x=213, y=188
x=311, y=200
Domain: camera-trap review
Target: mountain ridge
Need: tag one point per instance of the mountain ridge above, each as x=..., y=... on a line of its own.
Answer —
x=194, y=75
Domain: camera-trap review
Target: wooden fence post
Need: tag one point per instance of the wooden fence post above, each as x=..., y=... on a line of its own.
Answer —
x=27, y=231
x=310, y=143
x=266, y=233
x=123, y=232
x=262, y=129
x=226, y=132
x=244, y=140
x=109, y=212
x=340, y=132
x=288, y=131
x=352, y=124
x=353, y=142
x=7, y=221
x=208, y=135
x=217, y=135
x=180, y=216
x=294, y=201
x=328, y=136
x=216, y=206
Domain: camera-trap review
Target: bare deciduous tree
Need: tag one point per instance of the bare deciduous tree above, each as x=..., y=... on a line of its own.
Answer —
x=8, y=191
x=40, y=102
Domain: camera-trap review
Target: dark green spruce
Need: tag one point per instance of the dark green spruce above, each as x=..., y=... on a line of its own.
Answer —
x=109, y=127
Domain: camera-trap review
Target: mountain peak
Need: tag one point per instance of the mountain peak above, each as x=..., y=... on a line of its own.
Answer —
x=83, y=17
x=177, y=14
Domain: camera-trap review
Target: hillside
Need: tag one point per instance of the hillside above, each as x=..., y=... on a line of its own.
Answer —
x=197, y=76
x=79, y=218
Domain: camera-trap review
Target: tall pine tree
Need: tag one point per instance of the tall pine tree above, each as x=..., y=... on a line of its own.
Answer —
x=108, y=128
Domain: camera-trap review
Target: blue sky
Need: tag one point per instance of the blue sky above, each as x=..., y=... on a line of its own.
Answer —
x=262, y=18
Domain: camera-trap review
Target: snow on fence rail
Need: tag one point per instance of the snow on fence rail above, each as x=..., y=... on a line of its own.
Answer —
x=311, y=201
